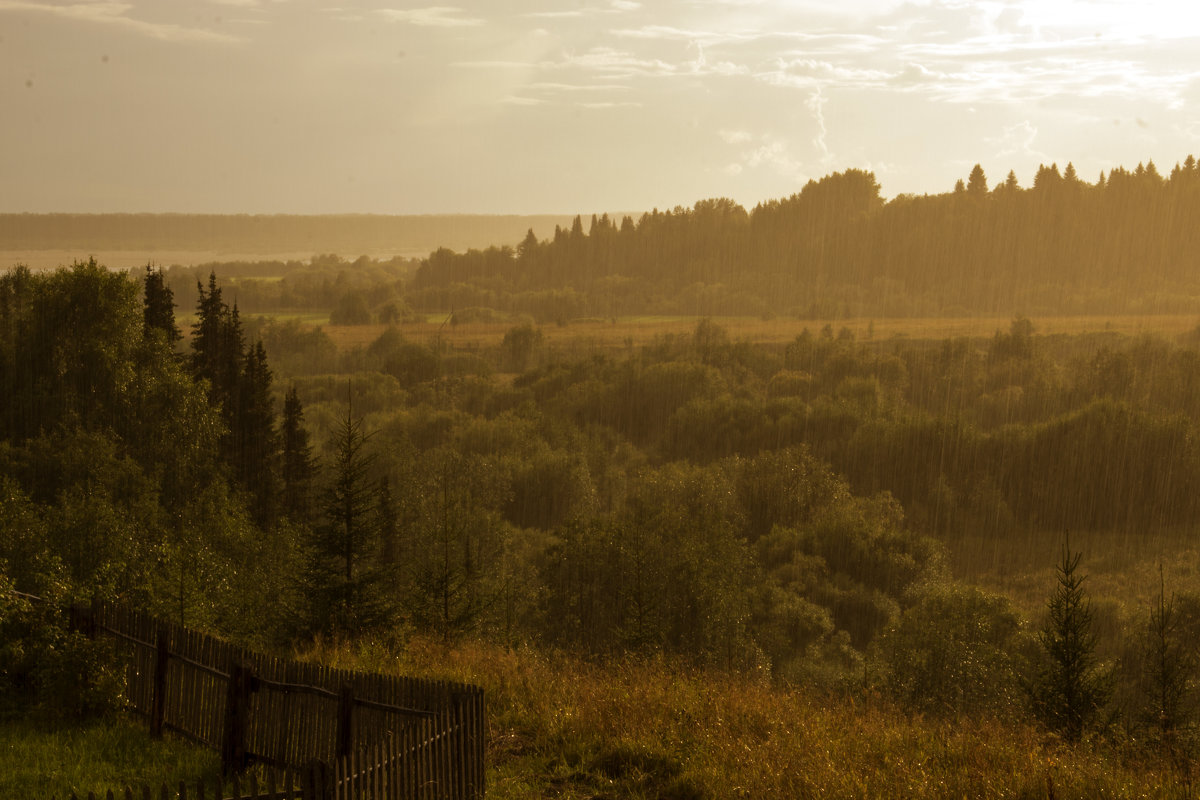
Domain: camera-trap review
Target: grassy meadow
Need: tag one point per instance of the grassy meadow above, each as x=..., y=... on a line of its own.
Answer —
x=624, y=332
x=651, y=728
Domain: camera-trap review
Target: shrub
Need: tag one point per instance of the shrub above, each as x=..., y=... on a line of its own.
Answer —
x=957, y=649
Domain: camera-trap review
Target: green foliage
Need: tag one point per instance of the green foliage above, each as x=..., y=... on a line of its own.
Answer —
x=408, y=362
x=837, y=250
x=38, y=761
x=519, y=345
x=158, y=304
x=1162, y=666
x=955, y=650
x=69, y=353
x=48, y=668
x=344, y=578
x=455, y=543
x=297, y=466
x=1069, y=688
x=351, y=309
x=294, y=348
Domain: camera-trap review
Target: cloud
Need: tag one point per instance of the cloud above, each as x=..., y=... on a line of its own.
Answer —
x=816, y=104
x=775, y=155
x=116, y=14
x=807, y=73
x=432, y=17
x=576, y=13
x=618, y=64
x=766, y=152
x=613, y=7
x=602, y=105
x=496, y=64
x=672, y=34
x=1018, y=140
x=546, y=91
x=571, y=87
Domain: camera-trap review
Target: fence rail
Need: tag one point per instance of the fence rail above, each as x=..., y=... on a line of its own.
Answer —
x=363, y=736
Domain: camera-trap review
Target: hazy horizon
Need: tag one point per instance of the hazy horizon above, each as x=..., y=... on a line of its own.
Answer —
x=269, y=106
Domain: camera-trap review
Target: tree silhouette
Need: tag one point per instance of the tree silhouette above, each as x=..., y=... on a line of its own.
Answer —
x=345, y=591
x=158, y=303
x=297, y=461
x=977, y=182
x=1070, y=688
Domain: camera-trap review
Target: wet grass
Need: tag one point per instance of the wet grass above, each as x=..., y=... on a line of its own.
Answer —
x=565, y=728
x=40, y=760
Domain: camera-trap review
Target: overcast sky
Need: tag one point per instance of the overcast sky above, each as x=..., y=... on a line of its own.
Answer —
x=525, y=106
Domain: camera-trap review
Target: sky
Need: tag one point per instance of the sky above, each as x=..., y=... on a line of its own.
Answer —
x=571, y=106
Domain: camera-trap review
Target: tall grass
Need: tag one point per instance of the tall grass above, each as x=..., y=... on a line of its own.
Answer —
x=651, y=728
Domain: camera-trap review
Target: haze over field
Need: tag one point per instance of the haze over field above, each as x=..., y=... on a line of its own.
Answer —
x=260, y=106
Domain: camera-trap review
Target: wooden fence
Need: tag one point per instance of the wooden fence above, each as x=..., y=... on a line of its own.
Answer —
x=364, y=736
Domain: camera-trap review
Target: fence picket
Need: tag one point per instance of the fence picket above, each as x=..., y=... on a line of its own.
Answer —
x=295, y=714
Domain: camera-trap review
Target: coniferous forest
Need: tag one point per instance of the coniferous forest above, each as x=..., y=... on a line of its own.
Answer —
x=878, y=543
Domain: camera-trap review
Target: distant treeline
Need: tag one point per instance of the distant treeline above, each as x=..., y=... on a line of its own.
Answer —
x=325, y=282
x=1127, y=243
x=347, y=234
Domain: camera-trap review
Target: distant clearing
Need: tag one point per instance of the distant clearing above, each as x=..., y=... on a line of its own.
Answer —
x=625, y=331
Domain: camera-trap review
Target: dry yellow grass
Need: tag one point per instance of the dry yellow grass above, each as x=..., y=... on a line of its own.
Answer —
x=561, y=727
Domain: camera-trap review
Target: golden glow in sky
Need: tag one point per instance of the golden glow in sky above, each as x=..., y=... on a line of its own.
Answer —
x=575, y=105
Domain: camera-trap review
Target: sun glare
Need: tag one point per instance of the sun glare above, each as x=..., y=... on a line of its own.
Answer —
x=1152, y=19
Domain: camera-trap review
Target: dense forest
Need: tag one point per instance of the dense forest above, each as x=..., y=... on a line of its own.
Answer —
x=779, y=509
x=836, y=249
x=789, y=512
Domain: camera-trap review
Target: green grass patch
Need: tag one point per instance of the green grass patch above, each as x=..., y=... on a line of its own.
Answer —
x=40, y=760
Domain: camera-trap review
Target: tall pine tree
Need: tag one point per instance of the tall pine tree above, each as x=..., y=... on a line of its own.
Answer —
x=158, y=306
x=1070, y=688
x=297, y=461
x=257, y=440
x=345, y=587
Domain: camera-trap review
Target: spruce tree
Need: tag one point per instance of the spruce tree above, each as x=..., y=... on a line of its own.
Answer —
x=1070, y=688
x=158, y=306
x=977, y=182
x=344, y=576
x=1169, y=672
x=206, y=333
x=297, y=461
x=257, y=441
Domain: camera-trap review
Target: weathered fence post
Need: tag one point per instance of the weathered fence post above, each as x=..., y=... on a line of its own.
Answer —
x=345, y=721
x=315, y=782
x=237, y=707
x=158, y=700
